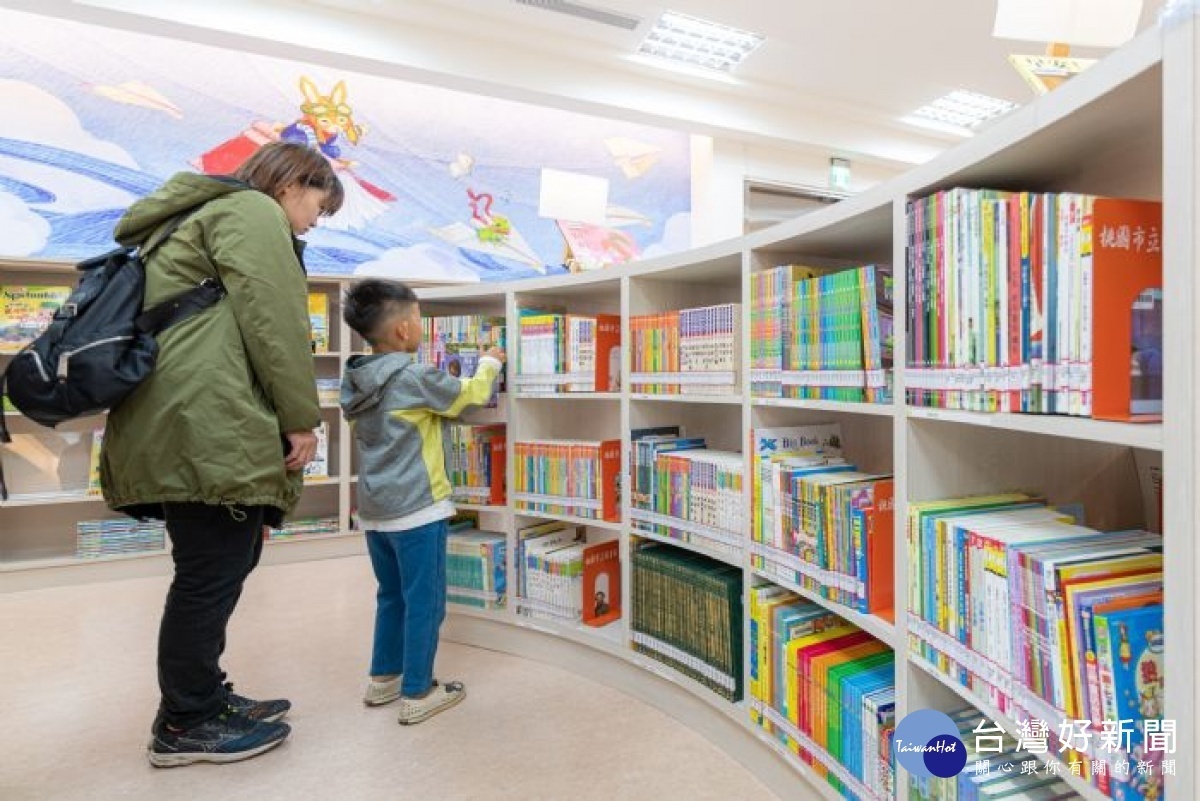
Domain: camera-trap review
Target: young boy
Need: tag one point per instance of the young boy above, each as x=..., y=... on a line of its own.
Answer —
x=395, y=407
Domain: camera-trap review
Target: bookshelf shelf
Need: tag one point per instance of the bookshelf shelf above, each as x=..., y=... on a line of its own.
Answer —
x=300, y=538
x=1146, y=436
x=878, y=628
x=836, y=769
x=69, y=561
x=841, y=407
x=322, y=482
x=18, y=501
x=564, y=396
x=722, y=400
x=1078, y=784
x=607, y=525
x=734, y=559
x=475, y=507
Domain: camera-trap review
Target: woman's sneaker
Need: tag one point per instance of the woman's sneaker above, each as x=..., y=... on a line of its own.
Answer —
x=382, y=692
x=229, y=737
x=267, y=711
x=441, y=697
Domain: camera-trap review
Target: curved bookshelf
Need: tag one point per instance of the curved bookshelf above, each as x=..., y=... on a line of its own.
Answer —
x=1138, y=102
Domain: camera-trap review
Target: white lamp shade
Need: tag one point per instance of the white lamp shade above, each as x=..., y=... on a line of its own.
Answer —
x=1086, y=23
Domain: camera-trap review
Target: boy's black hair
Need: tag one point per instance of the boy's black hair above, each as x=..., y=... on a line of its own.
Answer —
x=369, y=304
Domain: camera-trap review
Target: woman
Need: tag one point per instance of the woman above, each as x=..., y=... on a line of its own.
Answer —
x=215, y=441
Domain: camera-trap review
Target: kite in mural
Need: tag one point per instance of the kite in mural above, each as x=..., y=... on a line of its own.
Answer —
x=325, y=120
x=489, y=233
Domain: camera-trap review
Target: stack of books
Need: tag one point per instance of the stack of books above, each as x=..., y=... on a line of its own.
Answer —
x=475, y=567
x=307, y=527
x=456, y=343
x=691, y=352
x=563, y=578
x=99, y=538
x=568, y=477
x=681, y=490
x=822, y=336
x=687, y=614
x=1033, y=302
x=569, y=352
x=825, y=689
x=1038, y=616
x=475, y=461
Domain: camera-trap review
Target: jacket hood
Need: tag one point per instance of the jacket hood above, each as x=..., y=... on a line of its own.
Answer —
x=366, y=377
x=183, y=192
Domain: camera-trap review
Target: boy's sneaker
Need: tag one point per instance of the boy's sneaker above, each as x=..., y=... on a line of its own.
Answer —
x=266, y=711
x=382, y=692
x=441, y=697
x=229, y=737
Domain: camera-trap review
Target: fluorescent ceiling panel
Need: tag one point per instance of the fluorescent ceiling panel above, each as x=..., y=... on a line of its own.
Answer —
x=696, y=42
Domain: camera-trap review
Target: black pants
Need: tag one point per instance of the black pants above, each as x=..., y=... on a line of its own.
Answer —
x=214, y=549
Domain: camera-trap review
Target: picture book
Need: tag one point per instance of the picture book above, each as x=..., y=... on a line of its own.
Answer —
x=601, y=583
x=25, y=311
x=318, y=320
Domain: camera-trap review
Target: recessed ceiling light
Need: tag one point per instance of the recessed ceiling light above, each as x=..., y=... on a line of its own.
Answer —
x=699, y=43
x=959, y=112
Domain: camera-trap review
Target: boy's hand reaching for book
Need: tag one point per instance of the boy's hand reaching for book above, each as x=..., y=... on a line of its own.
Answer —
x=303, y=449
x=497, y=354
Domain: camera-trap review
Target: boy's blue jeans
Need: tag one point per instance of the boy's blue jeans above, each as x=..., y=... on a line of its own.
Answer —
x=411, y=603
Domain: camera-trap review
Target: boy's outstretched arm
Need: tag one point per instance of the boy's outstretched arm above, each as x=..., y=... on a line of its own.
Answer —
x=448, y=396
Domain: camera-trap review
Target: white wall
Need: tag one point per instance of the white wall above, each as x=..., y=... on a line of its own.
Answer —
x=721, y=167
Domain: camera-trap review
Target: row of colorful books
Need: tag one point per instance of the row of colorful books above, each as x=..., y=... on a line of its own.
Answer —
x=305, y=527
x=100, y=538
x=1039, y=616
x=822, y=334
x=455, y=344
x=825, y=689
x=476, y=570
x=568, y=477
x=475, y=462
x=691, y=352
x=682, y=490
x=1035, y=302
x=819, y=523
x=996, y=768
x=687, y=614
x=569, y=352
x=562, y=577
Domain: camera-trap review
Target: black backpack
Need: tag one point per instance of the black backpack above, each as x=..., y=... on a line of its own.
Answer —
x=100, y=344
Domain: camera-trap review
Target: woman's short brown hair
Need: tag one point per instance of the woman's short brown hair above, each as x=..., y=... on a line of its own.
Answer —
x=278, y=165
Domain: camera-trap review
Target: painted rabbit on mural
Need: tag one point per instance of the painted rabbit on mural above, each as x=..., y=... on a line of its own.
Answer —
x=325, y=122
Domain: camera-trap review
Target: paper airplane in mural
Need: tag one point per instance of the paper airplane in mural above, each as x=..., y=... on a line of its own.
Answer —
x=621, y=217
x=513, y=246
x=136, y=93
x=633, y=157
x=462, y=166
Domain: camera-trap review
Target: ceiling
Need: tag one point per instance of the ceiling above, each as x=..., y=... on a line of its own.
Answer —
x=834, y=76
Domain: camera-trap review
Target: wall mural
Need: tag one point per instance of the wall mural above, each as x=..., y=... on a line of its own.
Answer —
x=439, y=184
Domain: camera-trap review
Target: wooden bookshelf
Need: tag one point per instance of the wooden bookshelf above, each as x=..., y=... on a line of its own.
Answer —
x=1124, y=128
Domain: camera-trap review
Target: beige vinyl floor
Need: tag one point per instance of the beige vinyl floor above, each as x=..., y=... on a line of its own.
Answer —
x=78, y=691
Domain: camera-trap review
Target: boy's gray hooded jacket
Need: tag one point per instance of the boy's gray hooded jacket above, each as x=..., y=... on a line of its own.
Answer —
x=396, y=408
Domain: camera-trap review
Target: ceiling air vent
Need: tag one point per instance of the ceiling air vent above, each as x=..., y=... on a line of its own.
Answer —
x=581, y=11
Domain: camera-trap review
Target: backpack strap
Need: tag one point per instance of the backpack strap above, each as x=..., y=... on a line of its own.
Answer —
x=5, y=439
x=179, y=308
